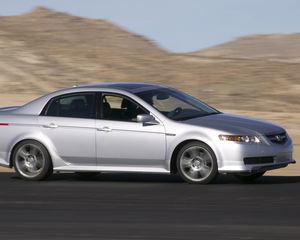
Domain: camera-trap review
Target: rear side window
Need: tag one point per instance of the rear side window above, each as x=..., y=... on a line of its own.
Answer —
x=80, y=105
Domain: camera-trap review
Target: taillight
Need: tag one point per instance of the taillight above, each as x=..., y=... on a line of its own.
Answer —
x=4, y=124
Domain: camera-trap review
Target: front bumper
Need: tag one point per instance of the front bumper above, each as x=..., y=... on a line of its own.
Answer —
x=271, y=167
x=233, y=155
x=258, y=168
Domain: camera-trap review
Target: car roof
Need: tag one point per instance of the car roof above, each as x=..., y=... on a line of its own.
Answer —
x=132, y=87
x=36, y=106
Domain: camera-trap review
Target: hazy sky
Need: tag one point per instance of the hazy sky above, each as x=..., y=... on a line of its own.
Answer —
x=180, y=25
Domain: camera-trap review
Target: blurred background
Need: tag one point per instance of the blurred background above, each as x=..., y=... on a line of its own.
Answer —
x=241, y=57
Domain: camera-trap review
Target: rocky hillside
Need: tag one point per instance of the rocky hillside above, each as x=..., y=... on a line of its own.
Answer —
x=45, y=50
x=275, y=47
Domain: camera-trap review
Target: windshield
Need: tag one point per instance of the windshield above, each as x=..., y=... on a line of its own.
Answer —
x=176, y=105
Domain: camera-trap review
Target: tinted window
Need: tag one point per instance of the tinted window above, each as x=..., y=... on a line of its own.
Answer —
x=75, y=106
x=120, y=108
x=176, y=105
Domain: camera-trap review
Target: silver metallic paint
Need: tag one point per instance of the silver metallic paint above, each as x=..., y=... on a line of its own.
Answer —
x=102, y=145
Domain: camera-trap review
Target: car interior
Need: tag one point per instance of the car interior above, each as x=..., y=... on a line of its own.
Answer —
x=126, y=111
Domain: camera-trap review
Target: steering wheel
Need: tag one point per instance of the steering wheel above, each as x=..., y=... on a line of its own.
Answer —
x=175, y=112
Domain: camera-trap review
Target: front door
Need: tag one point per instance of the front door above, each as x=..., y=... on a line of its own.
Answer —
x=122, y=141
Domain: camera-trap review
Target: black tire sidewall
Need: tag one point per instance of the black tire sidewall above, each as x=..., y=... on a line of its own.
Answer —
x=46, y=171
x=214, y=172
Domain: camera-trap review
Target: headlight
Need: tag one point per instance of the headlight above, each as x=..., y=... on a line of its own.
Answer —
x=240, y=138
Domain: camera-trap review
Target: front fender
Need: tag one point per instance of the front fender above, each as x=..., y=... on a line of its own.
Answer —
x=174, y=141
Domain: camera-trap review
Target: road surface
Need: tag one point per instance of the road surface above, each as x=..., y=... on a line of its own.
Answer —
x=146, y=206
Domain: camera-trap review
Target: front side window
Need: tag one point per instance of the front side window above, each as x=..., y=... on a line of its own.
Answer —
x=176, y=105
x=120, y=108
x=81, y=105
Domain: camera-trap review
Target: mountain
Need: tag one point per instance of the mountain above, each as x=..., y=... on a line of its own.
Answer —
x=276, y=47
x=60, y=49
x=45, y=50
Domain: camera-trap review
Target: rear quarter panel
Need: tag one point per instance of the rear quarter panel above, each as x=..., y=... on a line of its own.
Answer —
x=19, y=127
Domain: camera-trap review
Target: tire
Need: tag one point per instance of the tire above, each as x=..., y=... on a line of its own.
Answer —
x=87, y=175
x=32, y=161
x=248, y=177
x=197, y=163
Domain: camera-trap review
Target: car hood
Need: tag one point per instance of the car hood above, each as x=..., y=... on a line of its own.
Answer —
x=235, y=124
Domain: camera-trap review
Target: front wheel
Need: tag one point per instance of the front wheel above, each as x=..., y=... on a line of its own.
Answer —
x=248, y=177
x=196, y=163
x=32, y=161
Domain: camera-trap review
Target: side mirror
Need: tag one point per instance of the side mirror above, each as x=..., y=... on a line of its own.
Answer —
x=146, y=119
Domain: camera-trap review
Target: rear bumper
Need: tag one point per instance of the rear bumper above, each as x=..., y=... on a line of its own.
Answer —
x=3, y=162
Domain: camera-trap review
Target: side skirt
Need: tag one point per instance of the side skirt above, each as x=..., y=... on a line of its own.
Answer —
x=110, y=169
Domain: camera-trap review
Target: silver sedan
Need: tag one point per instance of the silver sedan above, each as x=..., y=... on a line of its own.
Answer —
x=136, y=127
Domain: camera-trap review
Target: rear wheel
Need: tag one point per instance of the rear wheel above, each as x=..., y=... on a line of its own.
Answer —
x=196, y=163
x=32, y=161
x=248, y=177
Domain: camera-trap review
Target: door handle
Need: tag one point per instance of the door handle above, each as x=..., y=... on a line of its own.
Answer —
x=51, y=125
x=104, y=129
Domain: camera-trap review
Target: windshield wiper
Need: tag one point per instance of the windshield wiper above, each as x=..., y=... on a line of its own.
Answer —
x=214, y=113
x=196, y=116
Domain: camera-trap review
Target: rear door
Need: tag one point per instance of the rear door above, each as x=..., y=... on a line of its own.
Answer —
x=69, y=122
x=122, y=141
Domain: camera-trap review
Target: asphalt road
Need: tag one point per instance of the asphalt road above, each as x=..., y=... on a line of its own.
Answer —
x=137, y=206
